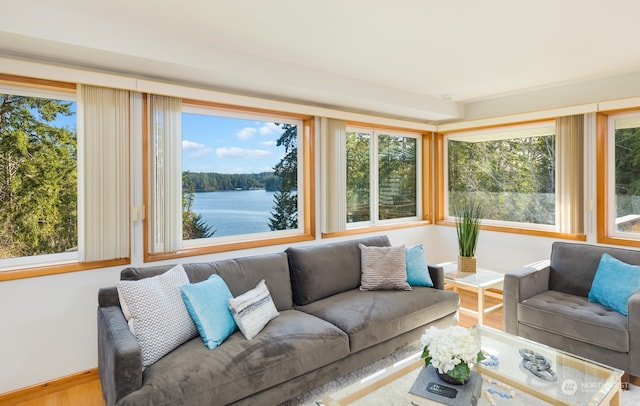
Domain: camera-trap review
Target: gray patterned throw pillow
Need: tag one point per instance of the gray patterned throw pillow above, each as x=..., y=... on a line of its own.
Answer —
x=383, y=268
x=156, y=313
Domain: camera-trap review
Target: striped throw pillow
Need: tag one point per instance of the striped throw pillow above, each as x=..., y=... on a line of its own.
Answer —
x=253, y=310
x=383, y=268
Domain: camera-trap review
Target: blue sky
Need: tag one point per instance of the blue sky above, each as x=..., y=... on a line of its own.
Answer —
x=228, y=145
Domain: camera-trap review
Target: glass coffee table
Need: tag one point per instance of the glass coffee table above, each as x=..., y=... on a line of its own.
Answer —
x=577, y=381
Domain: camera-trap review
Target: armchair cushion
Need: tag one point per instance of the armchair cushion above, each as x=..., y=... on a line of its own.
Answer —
x=575, y=317
x=614, y=283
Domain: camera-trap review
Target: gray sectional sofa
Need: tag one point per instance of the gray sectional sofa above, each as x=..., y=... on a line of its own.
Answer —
x=327, y=327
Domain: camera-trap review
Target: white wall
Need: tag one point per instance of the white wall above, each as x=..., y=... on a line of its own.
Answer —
x=496, y=251
x=48, y=326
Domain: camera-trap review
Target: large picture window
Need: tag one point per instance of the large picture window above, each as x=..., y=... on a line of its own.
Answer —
x=382, y=176
x=240, y=174
x=241, y=178
x=510, y=170
x=38, y=176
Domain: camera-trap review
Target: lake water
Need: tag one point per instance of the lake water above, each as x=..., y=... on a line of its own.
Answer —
x=235, y=212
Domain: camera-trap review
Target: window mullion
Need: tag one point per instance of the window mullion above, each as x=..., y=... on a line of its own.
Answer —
x=374, y=182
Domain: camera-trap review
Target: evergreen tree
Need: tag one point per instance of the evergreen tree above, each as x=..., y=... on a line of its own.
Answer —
x=38, y=177
x=193, y=225
x=285, y=212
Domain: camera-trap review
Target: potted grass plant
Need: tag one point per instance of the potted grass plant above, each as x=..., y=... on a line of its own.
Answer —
x=468, y=212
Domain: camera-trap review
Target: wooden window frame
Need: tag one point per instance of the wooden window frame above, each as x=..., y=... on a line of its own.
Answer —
x=604, y=232
x=308, y=188
x=28, y=271
x=425, y=142
x=440, y=192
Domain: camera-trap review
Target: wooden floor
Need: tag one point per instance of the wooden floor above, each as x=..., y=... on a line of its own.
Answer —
x=89, y=394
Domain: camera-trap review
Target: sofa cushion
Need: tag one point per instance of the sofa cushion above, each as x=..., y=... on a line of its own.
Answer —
x=614, y=283
x=318, y=271
x=383, y=268
x=290, y=345
x=244, y=274
x=576, y=318
x=240, y=274
x=208, y=305
x=252, y=310
x=417, y=267
x=371, y=317
x=156, y=313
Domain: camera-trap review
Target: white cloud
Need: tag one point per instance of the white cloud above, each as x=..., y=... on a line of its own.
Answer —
x=246, y=133
x=235, y=152
x=269, y=128
x=195, y=149
x=191, y=145
x=270, y=143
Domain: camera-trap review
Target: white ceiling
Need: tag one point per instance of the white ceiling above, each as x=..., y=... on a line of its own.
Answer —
x=417, y=59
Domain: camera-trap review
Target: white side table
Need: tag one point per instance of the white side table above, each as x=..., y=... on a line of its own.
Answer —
x=479, y=282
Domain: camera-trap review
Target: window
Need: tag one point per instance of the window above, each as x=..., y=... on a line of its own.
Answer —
x=57, y=142
x=623, y=168
x=242, y=178
x=38, y=176
x=511, y=170
x=240, y=174
x=383, y=176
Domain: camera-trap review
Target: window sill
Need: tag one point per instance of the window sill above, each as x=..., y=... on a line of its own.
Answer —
x=34, y=272
x=376, y=228
x=227, y=246
x=524, y=231
x=626, y=242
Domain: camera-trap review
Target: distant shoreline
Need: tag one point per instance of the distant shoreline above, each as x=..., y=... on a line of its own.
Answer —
x=233, y=190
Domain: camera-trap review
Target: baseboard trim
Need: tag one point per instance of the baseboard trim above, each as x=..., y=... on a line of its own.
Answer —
x=49, y=387
x=634, y=380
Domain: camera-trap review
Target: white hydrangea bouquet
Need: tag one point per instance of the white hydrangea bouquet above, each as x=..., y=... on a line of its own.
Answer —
x=451, y=351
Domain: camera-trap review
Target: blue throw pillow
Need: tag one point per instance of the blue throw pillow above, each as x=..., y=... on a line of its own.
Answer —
x=614, y=283
x=207, y=303
x=417, y=269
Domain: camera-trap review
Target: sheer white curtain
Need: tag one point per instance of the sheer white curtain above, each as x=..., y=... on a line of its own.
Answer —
x=166, y=174
x=334, y=170
x=103, y=173
x=569, y=174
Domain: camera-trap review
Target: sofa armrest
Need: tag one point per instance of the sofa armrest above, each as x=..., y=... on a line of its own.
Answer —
x=119, y=357
x=633, y=324
x=521, y=284
x=437, y=276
